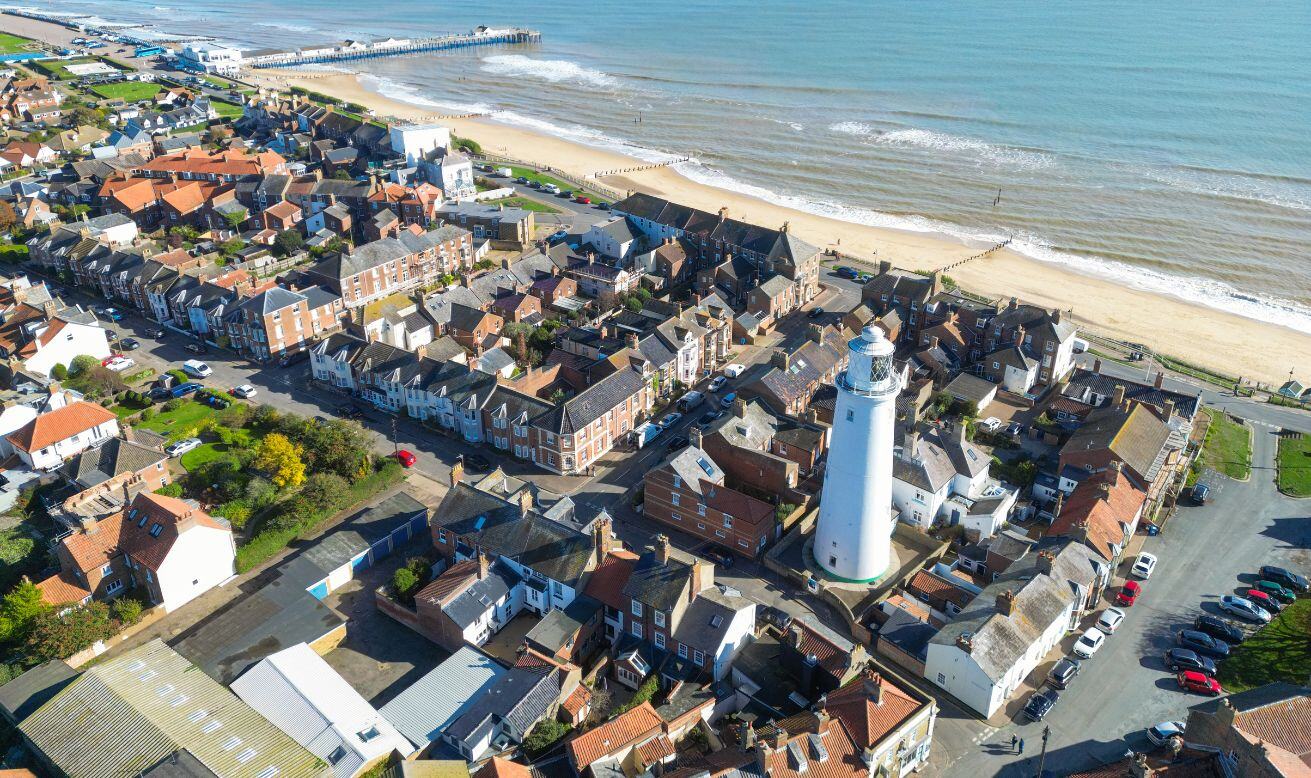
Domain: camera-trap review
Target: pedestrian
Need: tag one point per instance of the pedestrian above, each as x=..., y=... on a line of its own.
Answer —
x=1021, y=745
x=1015, y=740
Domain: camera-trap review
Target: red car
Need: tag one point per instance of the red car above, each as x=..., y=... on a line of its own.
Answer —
x=1260, y=598
x=406, y=458
x=1193, y=681
x=1129, y=593
x=112, y=356
x=583, y=200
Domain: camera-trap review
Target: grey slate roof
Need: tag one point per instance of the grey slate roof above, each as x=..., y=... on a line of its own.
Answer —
x=500, y=528
x=270, y=300
x=592, y=403
x=423, y=710
x=467, y=607
x=439, y=306
x=693, y=465
x=520, y=699
x=707, y=619
x=970, y=387
x=775, y=285
x=1084, y=384
x=116, y=457
x=929, y=467
x=494, y=360
x=22, y=696
x=658, y=585
x=561, y=624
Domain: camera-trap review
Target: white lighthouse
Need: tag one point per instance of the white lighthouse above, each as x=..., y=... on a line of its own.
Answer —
x=853, y=539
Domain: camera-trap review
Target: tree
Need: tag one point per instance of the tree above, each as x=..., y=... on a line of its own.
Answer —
x=59, y=373
x=556, y=397
x=546, y=734
x=126, y=610
x=235, y=219
x=59, y=635
x=288, y=242
x=342, y=174
x=230, y=247
x=322, y=491
x=8, y=217
x=404, y=583
x=81, y=363
x=260, y=492
x=18, y=610
x=282, y=460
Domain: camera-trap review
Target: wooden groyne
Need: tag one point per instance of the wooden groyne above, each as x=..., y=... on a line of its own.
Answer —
x=392, y=47
x=980, y=255
x=637, y=168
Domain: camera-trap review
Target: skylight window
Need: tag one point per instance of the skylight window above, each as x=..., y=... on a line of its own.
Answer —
x=211, y=726
x=231, y=743
x=155, y=529
x=196, y=716
x=246, y=756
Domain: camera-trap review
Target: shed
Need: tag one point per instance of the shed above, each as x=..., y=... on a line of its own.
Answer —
x=972, y=389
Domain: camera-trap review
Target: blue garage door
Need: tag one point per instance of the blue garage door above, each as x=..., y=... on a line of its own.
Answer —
x=319, y=590
x=418, y=522
x=400, y=535
x=360, y=562
x=380, y=549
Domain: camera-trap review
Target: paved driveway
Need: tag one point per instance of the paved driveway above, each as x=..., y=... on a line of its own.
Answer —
x=1125, y=688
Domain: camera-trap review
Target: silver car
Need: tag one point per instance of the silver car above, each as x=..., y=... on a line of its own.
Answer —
x=1244, y=608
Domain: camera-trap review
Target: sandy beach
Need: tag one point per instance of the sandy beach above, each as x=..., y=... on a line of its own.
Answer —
x=1196, y=334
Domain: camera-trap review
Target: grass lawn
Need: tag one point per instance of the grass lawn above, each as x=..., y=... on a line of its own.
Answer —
x=56, y=68
x=1281, y=651
x=1228, y=447
x=225, y=109
x=177, y=422
x=1295, y=466
x=524, y=203
x=128, y=91
x=12, y=44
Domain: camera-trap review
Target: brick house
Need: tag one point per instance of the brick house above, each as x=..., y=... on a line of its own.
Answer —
x=1102, y=512
x=1131, y=434
x=1266, y=731
x=795, y=377
x=412, y=259
x=277, y=321
x=474, y=329
x=570, y=437
x=688, y=493
x=762, y=451
x=283, y=215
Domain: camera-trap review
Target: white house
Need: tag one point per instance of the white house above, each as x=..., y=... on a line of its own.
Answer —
x=616, y=238
x=12, y=419
x=718, y=622
x=983, y=655
x=210, y=58
x=189, y=552
x=945, y=478
x=303, y=696
x=452, y=172
x=1018, y=371
x=415, y=141
x=46, y=441
x=58, y=340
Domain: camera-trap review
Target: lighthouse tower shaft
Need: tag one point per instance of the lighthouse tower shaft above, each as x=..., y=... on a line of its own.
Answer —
x=853, y=538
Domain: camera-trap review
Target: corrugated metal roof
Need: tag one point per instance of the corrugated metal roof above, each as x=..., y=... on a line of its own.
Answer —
x=129, y=713
x=423, y=710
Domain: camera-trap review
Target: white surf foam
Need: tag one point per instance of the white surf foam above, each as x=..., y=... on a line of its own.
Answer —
x=941, y=141
x=1235, y=186
x=556, y=71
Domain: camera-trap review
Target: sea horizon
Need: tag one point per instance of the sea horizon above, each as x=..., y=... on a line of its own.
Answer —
x=1133, y=165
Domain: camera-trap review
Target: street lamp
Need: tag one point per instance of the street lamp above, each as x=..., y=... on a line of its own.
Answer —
x=1046, y=732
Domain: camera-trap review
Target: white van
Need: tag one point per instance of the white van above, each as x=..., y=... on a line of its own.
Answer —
x=690, y=400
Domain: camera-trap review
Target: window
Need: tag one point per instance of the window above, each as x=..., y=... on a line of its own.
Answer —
x=107, y=570
x=698, y=657
x=941, y=679
x=851, y=415
x=678, y=483
x=682, y=651
x=660, y=639
x=369, y=734
x=637, y=630
x=659, y=617
x=441, y=536
x=155, y=529
x=674, y=498
x=728, y=521
x=338, y=754
x=114, y=588
x=700, y=509
x=637, y=608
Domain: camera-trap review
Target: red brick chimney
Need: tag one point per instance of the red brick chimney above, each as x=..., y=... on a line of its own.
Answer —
x=1006, y=602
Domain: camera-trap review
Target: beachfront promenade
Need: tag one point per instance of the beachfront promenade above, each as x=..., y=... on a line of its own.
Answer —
x=391, y=47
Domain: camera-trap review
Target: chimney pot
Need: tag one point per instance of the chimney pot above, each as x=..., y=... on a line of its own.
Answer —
x=1117, y=399
x=1160, y=379
x=1006, y=602
x=662, y=548
x=457, y=472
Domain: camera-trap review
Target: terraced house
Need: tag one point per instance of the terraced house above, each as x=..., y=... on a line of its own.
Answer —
x=412, y=259
x=573, y=435
x=279, y=321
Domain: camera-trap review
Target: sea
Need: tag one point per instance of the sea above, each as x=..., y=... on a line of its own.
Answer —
x=1163, y=145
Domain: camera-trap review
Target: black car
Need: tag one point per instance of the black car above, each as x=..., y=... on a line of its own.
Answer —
x=1203, y=643
x=603, y=206
x=815, y=313
x=1220, y=629
x=842, y=271
x=1200, y=494
x=478, y=462
x=156, y=333
x=130, y=344
x=160, y=393
x=111, y=336
x=291, y=359
x=1181, y=659
x=709, y=416
x=1063, y=673
x=195, y=348
x=1040, y=704
x=679, y=442
x=720, y=556
x=350, y=412
x=1286, y=577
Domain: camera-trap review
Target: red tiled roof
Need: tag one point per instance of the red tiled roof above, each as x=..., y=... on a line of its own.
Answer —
x=1104, y=511
x=497, y=767
x=606, y=584
x=1285, y=729
x=62, y=589
x=656, y=749
x=577, y=701
x=829, y=655
x=61, y=424
x=937, y=590
x=867, y=720
x=135, y=537
x=283, y=210
x=230, y=162
x=623, y=731
x=843, y=756
x=450, y=583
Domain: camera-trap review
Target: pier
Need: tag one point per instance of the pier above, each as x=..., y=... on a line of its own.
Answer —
x=392, y=47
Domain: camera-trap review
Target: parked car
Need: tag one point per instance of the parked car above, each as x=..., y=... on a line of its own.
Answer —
x=1244, y=609
x=1264, y=601
x=679, y=443
x=1191, y=681
x=815, y=313
x=293, y=358
x=197, y=369
x=1014, y=429
x=156, y=333
x=521, y=180
x=120, y=363
x=1164, y=731
x=181, y=447
x=130, y=344
x=603, y=206
x=1088, y=643
x=727, y=400
x=583, y=200
x=182, y=390
x=1276, y=590
x=1110, y=620
x=734, y=370
x=111, y=336
x=1180, y=659
x=113, y=314
x=160, y=393
x=1217, y=627
x=708, y=417
x=1200, y=494
x=350, y=412
x=105, y=362
x=991, y=424
x=405, y=457
x=565, y=193
x=1144, y=565
x=195, y=348
x=245, y=391
x=1202, y=643
x=1281, y=575
x=842, y=271
x=720, y=556
x=1128, y=593
x=557, y=237
x=1040, y=704
x=690, y=400
x=478, y=462
x=1064, y=672
x=670, y=420
x=716, y=383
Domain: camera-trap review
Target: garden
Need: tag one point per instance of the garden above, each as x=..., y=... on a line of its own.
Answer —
x=1228, y=446
x=127, y=91
x=1295, y=464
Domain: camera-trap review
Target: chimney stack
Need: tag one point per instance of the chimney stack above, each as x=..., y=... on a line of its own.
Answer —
x=1160, y=379
x=964, y=643
x=694, y=437
x=780, y=359
x=910, y=442
x=1117, y=399
x=525, y=500
x=662, y=548
x=739, y=407
x=1056, y=316
x=1045, y=559
x=1167, y=410
x=1113, y=475
x=748, y=738
x=457, y=472
x=885, y=267
x=484, y=565
x=780, y=738
x=933, y=342
x=873, y=684
x=1060, y=504
x=602, y=538
x=1006, y=602
x=633, y=340
x=1097, y=365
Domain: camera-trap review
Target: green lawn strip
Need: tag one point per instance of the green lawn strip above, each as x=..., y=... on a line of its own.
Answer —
x=178, y=422
x=269, y=542
x=12, y=44
x=1280, y=651
x=533, y=175
x=1295, y=466
x=524, y=203
x=1228, y=446
x=225, y=109
x=129, y=91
